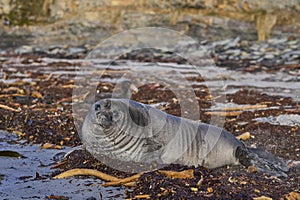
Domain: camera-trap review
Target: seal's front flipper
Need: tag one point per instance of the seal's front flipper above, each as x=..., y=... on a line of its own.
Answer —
x=263, y=161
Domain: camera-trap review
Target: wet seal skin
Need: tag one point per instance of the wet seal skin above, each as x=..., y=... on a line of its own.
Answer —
x=127, y=131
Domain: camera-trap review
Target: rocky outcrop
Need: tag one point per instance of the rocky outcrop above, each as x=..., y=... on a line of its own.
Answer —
x=187, y=15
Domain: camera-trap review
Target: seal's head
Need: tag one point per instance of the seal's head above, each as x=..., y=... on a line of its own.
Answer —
x=119, y=112
x=119, y=133
x=106, y=113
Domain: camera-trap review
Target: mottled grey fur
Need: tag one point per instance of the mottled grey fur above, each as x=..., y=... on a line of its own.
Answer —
x=129, y=131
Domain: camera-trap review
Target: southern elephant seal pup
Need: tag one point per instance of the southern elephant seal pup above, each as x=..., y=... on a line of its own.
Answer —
x=128, y=131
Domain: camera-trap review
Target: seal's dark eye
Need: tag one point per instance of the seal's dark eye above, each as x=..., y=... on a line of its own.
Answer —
x=97, y=107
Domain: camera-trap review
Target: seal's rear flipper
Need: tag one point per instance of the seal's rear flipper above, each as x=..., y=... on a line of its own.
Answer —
x=262, y=160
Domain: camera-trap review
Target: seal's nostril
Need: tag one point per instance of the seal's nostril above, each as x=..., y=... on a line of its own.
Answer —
x=97, y=107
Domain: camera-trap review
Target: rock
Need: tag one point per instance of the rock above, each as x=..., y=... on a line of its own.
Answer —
x=39, y=50
x=291, y=63
x=3, y=52
x=295, y=47
x=255, y=57
x=288, y=54
x=255, y=47
x=275, y=41
x=234, y=52
x=223, y=57
x=245, y=55
x=24, y=50
x=77, y=50
x=269, y=56
x=257, y=53
x=233, y=43
x=57, y=51
x=287, y=50
x=260, y=60
x=292, y=42
x=221, y=43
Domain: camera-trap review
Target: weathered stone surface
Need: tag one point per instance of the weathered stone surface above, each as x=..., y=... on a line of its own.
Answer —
x=200, y=18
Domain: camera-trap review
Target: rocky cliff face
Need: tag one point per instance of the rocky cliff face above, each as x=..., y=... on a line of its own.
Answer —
x=194, y=17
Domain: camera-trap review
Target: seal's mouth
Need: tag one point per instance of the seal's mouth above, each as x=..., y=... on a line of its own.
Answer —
x=104, y=119
x=105, y=116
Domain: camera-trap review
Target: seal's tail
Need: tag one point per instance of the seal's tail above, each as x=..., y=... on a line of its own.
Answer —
x=263, y=161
